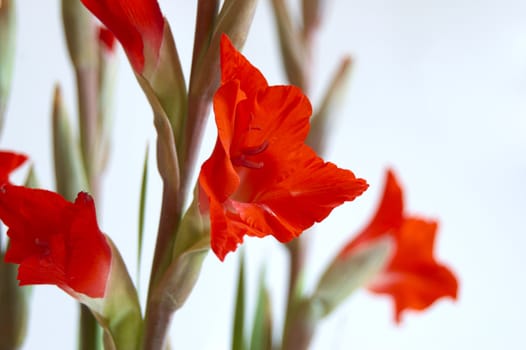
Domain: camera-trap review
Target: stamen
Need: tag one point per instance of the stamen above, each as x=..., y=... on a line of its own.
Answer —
x=243, y=161
x=252, y=151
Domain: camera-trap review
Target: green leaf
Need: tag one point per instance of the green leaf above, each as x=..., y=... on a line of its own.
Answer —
x=119, y=312
x=238, y=337
x=142, y=205
x=70, y=175
x=7, y=52
x=262, y=328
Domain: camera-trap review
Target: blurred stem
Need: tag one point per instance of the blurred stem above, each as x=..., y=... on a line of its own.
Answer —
x=168, y=223
x=297, y=249
x=89, y=331
x=157, y=317
x=87, y=91
x=157, y=321
x=204, y=26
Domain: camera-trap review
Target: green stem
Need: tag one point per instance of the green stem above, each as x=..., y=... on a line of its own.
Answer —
x=158, y=318
x=89, y=330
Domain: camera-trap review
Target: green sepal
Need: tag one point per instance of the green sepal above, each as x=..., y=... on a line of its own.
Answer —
x=349, y=272
x=166, y=81
x=119, y=312
x=167, y=159
x=190, y=248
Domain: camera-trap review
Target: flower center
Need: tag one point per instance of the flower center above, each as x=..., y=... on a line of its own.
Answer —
x=242, y=158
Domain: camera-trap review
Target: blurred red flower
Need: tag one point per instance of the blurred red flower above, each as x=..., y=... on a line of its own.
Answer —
x=107, y=39
x=412, y=277
x=137, y=24
x=261, y=178
x=9, y=161
x=55, y=241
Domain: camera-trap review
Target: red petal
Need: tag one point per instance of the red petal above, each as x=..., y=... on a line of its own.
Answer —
x=217, y=178
x=414, y=278
x=55, y=241
x=234, y=66
x=309, y=194
x=88, y=253
x=137, y=24
x=388, y=216
x=279, y=118
x=225, y=234
x=9, y=161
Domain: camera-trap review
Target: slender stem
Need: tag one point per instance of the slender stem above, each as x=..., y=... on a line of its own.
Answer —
x=158, y=318
x=297, y=261
x=157, y=323
x=89, y=331
x=168, y=222
x=204, y=25
x=198, y=110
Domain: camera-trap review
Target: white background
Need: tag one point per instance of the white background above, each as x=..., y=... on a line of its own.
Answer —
x=438, y=92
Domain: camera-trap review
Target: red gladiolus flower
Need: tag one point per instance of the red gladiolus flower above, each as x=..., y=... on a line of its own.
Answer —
x=261, y=178
x=55, y=241
x=137, y=24
x=9, y=161
x=413, y=277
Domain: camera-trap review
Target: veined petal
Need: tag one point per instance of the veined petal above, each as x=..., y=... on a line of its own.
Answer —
x=311, y=192
x=234, y=66
x=413, y=278
x=137, y=24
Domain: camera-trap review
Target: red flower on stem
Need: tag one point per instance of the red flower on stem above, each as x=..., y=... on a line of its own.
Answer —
x=55, y=241
x=412, y=277
x=261, y=178
x=137, y=24
x=9, y=161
